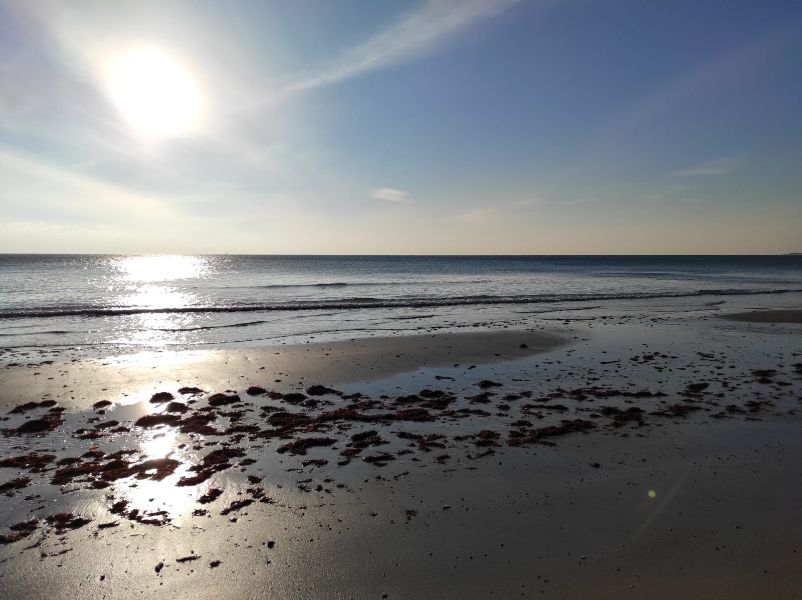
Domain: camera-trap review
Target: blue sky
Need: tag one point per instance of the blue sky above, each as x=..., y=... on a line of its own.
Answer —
x=472, y=126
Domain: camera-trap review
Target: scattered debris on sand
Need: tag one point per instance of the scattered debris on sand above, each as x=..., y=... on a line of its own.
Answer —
x=226, y=432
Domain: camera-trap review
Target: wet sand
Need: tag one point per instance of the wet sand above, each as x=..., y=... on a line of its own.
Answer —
x=767, y=316
x=644, y=459
x=128, y=378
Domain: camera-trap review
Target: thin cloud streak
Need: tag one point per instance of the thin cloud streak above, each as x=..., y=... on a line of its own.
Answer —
x=55, y=190
x=411, y=35
x=540, y=202
x=471, y=217
x=387, y=194
x=706, y=169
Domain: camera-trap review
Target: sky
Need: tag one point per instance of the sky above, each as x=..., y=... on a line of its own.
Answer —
x=401, y=127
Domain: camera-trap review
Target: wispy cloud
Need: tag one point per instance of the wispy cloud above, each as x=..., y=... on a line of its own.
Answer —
x=477, y=215
x=724, y=71
x=712, y=167
x=32, y=186
x=412, y=35
x=541, y=202
x=388, y=194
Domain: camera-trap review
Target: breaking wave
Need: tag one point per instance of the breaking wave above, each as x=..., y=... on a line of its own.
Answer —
x=363, y=303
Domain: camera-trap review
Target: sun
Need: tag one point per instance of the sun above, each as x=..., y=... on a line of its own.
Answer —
x=154, y=92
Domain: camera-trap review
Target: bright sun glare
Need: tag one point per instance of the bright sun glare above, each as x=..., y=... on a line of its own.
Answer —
x=156, y=94
x=157, y=268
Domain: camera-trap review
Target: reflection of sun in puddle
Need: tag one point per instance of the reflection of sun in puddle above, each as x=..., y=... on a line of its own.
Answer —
x=149, y=496
x=154, y=496
x=160, y=444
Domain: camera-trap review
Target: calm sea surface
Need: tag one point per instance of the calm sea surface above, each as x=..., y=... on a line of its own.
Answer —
x=124, y=303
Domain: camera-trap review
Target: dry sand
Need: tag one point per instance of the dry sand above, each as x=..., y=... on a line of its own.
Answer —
x=683, y=482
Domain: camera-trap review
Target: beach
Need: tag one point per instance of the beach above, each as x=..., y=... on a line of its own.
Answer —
x=423, y=300
x=589, y=458
x=768, y=316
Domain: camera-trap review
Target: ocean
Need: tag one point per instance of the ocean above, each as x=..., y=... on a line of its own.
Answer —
x=103, y=304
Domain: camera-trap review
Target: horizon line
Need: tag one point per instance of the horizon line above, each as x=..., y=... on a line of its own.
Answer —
x=290, y=255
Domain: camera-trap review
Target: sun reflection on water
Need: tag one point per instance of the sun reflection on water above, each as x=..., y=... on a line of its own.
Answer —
x=157, y=296
x=157, y=283
x=160, y=444
x=144, y=269
x=161, y=498
x=149, y=497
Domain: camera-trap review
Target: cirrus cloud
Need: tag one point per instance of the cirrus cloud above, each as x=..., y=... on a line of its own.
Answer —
x=711, y=167
x=388, y=194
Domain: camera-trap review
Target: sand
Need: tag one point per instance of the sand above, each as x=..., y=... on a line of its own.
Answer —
x=685, y=483
x=129, y=378
x=767, y=316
